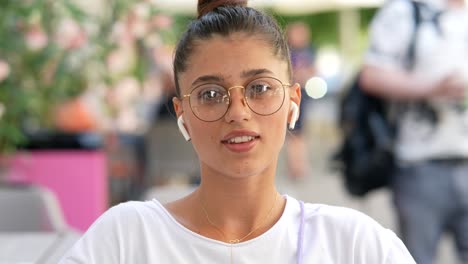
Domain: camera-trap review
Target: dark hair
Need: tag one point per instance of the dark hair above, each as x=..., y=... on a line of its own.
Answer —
x=224, y=17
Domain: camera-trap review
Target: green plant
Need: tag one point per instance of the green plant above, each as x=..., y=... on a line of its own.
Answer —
x=51, y=51
x=38, y=66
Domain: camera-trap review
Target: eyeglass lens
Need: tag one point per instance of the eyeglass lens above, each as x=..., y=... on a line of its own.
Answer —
x=210, y=102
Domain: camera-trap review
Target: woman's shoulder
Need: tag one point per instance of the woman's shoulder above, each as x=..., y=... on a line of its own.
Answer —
x=340, y=222
x=330, y=213
x=125, y=218
x=335, y=213
x=351, y=232
x=121, y=227
x=131, y=207
x=132, y=211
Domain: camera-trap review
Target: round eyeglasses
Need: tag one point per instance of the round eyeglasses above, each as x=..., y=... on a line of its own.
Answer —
x=210, y=102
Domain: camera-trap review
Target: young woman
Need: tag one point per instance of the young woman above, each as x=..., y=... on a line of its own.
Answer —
x=232, y=73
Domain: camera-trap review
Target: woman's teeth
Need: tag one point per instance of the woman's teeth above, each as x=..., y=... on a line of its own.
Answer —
x=241, y=139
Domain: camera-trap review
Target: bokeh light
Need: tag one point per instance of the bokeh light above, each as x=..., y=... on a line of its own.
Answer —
x=316, y=88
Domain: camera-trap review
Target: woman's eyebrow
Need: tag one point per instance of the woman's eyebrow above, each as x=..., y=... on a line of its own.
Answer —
x=208, y=78
x=253, y=72
x=219, y=78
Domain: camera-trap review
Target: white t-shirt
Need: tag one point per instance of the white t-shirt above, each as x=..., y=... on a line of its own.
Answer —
x=438, y=53
x=145, y=232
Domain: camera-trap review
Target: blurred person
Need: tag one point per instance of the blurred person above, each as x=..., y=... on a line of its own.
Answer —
x=235, y=99
x=303, y=67
x=430, y=185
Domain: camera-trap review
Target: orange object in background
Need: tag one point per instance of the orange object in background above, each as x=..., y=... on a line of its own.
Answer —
x=74, y=116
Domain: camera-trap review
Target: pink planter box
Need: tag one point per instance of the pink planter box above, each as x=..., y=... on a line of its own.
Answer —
x=77, y=177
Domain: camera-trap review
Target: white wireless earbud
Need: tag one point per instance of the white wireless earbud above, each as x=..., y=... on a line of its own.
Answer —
x=295, y=112
x=183, y=130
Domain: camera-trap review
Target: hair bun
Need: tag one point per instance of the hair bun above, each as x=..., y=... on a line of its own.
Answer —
x=206, y=6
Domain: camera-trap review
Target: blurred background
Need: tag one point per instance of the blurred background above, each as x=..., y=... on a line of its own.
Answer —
x=86, y=120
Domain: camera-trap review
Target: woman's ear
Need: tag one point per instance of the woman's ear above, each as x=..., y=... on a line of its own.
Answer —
x=180, y=119
x=296, y=93
x=177, y=103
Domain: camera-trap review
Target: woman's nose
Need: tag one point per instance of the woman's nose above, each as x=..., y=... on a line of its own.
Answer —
x=238, y=107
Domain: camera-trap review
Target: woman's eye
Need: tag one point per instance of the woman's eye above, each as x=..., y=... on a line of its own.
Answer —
x=210, y=96
x=261, y=88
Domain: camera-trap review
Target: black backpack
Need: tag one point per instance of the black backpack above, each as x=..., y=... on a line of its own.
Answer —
x=365, y=157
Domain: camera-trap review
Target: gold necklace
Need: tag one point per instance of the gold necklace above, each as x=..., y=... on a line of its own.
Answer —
x=238, y=240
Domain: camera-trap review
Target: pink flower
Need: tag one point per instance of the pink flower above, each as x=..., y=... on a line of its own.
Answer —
x=139, y=28
x=163, y=56
x=162, y=21
x=120, y=60
x=153, y=40
x=142, y=10
x=70, y=35
x=36, y=38
x=4, y=70
x=118, y=31
x=126, y=92
x=127, y=120
x=122, y=33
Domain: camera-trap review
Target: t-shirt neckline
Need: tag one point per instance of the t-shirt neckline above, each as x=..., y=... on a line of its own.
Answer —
x=185, y=230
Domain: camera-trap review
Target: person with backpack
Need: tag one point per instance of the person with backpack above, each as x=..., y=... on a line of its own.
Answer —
x=430, y=182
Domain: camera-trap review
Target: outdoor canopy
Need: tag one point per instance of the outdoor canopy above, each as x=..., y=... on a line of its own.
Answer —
x=279, y=6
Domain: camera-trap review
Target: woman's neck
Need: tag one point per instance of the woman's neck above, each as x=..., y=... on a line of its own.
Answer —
x=233, y=216
x=230, y=207
x=238, y=204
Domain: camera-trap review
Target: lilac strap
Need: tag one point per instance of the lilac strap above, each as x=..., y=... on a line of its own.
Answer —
x=301, y=235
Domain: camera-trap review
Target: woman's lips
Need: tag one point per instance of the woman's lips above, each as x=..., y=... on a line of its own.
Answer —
x=242, y=146
x=240, y=140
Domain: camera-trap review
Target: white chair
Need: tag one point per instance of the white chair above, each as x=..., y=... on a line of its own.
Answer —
x=29, y=209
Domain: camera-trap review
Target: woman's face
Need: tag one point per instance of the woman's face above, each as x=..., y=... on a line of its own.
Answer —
x=233, y=61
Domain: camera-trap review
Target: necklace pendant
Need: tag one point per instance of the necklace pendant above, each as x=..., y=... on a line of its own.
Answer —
x=234, y=241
